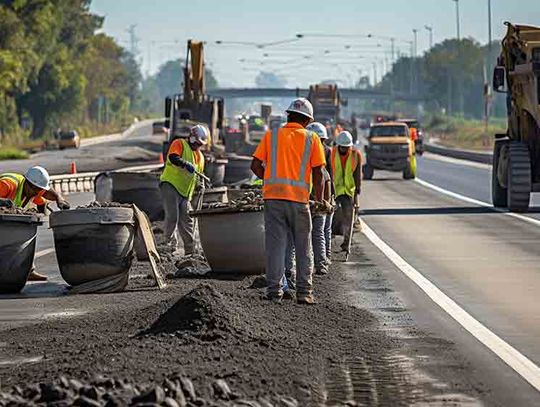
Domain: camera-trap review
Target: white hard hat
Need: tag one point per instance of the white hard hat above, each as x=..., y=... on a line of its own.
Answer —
x=39, y=177
x=199, y=133
x=302, y=106
x=319, y=129
x=344, y=139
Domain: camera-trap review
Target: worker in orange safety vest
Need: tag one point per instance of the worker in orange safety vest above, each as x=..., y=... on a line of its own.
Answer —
x=22, y=191
x=289, y=160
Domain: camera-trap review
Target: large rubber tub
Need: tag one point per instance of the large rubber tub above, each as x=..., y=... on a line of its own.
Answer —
x=233, y=241
x=139, y=188
x=238, y=168
x=18, y=245
x=93, y=243
x=215, y=170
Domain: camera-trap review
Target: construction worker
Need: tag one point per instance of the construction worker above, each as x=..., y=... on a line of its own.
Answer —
x=347, y=171
x=21, y=191
x=178, y=183
x=289, y=159
x=321, y=235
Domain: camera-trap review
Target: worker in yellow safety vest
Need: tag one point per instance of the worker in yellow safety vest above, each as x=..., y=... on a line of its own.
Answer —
x=23, y=191
x=178, y=182
x=347, y=177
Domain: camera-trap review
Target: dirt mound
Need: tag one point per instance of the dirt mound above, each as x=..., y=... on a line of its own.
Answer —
x=203, y=313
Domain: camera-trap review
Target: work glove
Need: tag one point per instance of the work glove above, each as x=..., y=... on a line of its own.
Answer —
x=175, y=159
x=6, y=203
x=63, y=205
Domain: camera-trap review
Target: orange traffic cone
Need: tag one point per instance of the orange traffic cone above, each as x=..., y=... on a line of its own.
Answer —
x=73, y=168
x=161, y=160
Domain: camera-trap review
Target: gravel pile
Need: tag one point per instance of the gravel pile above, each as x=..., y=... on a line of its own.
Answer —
x=175, y=391
x=17, y=211
x=203, y=313
x=251, y=200
x=96, y=204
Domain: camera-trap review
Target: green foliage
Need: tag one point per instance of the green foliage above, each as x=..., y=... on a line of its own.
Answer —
x=55, y=71
x=452, y=74
x=11, y=153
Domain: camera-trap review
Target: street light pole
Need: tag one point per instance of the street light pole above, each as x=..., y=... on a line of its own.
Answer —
x=489, y=26
x=415, y=32
x=429, y=28
x=457, y=19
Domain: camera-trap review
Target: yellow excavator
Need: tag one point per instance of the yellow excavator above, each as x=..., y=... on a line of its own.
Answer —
x=193, y=105
x=516, y=154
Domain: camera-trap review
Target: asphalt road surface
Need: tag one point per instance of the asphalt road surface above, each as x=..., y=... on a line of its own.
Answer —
x=135, y=146
x=486, y=261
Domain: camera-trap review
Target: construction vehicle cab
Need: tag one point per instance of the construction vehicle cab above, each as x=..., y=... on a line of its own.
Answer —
x=516, y=154
x=390, y=148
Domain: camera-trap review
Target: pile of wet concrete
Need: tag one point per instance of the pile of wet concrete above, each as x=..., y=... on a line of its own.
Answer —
x=175, y=391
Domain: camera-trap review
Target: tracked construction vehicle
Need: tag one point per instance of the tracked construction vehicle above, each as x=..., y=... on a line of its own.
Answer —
x=516, y=155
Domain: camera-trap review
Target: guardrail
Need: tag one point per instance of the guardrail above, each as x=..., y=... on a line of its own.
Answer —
x=84, y=182
x=476, y=156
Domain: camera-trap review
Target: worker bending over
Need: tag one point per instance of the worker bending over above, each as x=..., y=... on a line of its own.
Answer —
x=178, y=183
x=288, y=159
x=22, y=191
x=347, y=171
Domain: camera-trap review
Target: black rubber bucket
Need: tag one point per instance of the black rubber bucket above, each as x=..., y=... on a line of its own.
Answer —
x=93, y=243
x=18, y=245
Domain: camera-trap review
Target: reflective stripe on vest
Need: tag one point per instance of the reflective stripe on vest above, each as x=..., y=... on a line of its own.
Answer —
x=179, y=178
x=300, y=182
x=344, y=183
x=18, y=179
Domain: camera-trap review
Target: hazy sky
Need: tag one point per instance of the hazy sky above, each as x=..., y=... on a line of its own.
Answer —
x=163, y=26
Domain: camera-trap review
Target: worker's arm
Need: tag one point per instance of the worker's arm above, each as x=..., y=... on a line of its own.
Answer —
x=52, y=195
x=318, y=182
x=358, y=182
x=175, y=159
x=257, y=167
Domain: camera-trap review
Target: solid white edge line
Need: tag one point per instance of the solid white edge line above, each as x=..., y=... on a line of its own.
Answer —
x=512, y=357
x=44, y=252
x=477, y=202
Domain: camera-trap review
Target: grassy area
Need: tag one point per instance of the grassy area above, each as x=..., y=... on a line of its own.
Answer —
x=12, y=153
x=463, y=133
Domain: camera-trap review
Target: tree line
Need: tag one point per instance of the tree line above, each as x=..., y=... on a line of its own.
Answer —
x=56, y=69
x=451, y=75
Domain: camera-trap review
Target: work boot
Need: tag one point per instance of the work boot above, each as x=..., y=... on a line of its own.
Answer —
x=288, y=295
x=321, y=270
x=306, y=299
x=35, y=276
x=276, y=299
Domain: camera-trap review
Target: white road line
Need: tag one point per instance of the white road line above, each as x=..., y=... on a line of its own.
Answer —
x=512, y=357
x=44, y=252
x=477, y=202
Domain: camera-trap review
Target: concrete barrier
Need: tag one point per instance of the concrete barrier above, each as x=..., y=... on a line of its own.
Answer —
x=469, y=155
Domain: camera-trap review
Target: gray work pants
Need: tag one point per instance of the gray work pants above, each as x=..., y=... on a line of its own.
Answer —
x=290, y=259
x=345, y=204
x=319, y=242
x=328, y=235
x=281, y=218
x=177, y=216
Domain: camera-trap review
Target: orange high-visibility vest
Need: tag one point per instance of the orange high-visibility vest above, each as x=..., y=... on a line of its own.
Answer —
x=287, y=175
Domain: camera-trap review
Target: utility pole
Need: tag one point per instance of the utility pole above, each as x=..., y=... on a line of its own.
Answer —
x=133, y=40
x=393, y=45
x=457, y=19
x=415, y=46
x=489, y=27
x=429, y=28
